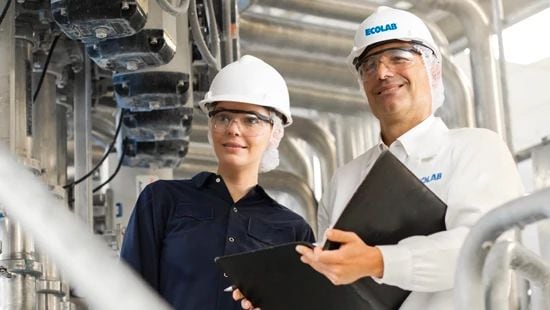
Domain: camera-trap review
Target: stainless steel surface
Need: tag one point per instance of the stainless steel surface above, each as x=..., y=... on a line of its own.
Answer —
x=7, y=78
x=104, y=281
x=83, y=145
x=541, y=171
x=505, y=256
x=320, y=139
x=468, y=292
x=485, y=73
x=287, y=182
x=23, y=97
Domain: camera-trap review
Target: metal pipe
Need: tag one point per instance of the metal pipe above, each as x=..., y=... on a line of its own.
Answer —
x=7, y=78
x=485, y=74
x=459, y=108
x=350, y=10
x=321, y=140
x=229, y=31
x=300, y=65
x=295, y=35
x=296, y=159
x=82, y=128
x=23, y=96
x=516, y=213
x=85, y=259
x=288, y=182
x=506, y=255
x=498, y=16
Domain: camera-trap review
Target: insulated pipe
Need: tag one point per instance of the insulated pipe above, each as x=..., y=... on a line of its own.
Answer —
x=325, y=98
x=288, y=182
x=297, y=159
x=85, y=259
x=506, y=255
x=485, y=73
x=295, y=35
x=516, y=213
x=301, y=65
x=321, y=140
x=458, y=109
x=350, y=10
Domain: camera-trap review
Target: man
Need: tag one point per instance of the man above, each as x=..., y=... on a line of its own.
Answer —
x=398, y=67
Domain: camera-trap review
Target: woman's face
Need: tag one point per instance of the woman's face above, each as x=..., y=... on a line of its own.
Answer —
x=240, y=134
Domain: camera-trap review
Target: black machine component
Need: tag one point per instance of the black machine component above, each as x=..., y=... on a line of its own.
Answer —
x=150, y=90
x=150, y=47
x=168, y=124
x=96, y=20
x=154, y=154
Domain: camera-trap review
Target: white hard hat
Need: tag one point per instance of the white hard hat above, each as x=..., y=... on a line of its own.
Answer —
x=250, y=80
x=387, y=24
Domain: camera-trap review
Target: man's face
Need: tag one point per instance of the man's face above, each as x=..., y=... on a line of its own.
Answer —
x=398, y=88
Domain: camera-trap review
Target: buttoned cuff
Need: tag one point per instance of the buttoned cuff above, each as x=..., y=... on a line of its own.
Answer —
x=397, y=265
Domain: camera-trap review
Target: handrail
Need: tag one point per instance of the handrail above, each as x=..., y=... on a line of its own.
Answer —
x=86, y=260
x=506, y=255
x=516, y=213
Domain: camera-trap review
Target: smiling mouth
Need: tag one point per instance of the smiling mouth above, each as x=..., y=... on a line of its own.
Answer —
x=389, y=89
x=232, y=145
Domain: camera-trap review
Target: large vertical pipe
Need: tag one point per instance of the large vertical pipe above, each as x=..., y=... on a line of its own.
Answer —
x=17, y=286
x=83, y=145
x=485, y=73
x=7, y=74
x=50, y=148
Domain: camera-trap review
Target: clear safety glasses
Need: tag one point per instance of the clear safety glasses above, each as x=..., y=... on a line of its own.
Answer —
x=394, y=58
x=251, y=124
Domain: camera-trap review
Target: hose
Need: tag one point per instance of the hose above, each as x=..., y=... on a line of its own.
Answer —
x=208, y=56
x=175, y=10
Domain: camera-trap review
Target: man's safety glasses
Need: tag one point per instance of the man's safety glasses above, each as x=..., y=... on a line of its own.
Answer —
x=394, y=58
x=251, y=124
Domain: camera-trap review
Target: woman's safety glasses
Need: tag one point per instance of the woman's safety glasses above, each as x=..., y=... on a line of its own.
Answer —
x=394, y=58
x=251, y=124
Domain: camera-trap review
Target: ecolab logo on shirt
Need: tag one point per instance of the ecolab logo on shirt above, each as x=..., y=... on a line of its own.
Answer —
x=433, y=177
x=380, y=28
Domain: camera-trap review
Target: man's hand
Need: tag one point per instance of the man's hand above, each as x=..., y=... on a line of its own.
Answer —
x=352, y=261
x=245, y=303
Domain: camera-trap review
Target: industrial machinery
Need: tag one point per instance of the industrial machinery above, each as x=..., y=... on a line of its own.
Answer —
x=98, y=99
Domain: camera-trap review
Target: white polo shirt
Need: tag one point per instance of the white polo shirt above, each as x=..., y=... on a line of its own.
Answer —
x=470, y=169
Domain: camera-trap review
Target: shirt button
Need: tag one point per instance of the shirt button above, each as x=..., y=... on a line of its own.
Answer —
x=235, y=209
x=225, y=275
x=218, y=180
x=231, y=239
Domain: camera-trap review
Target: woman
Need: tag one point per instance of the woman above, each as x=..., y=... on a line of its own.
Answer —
x=178, y=227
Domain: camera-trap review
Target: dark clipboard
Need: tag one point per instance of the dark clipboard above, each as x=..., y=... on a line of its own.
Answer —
x=389, y=205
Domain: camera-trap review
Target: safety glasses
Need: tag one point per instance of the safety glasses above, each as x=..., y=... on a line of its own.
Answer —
x=251, y=124
x=394, y=58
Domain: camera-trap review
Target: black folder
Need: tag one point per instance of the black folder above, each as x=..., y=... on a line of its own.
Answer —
x=389, y=205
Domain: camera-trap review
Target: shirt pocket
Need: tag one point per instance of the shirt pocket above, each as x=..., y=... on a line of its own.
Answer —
x=189, y=216
x=270, y=233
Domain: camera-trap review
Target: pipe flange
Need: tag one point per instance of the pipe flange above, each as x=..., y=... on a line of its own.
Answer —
x=50, y=287
x=25, y=267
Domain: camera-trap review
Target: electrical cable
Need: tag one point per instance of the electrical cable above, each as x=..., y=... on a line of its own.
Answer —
x=113, y=175
x=5, y=11
x=45, y=68
x=175, y=10
x=109, y=150
x=198, y=38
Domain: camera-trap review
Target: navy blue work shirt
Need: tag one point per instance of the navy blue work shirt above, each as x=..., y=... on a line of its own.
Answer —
x=178, y=227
